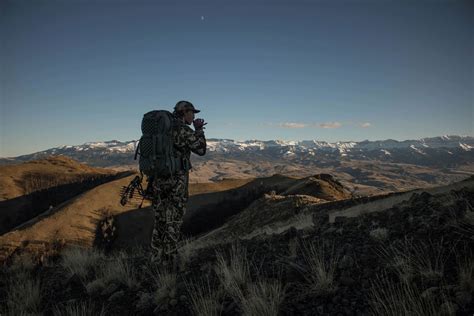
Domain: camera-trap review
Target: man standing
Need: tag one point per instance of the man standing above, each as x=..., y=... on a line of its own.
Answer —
x=170, y=206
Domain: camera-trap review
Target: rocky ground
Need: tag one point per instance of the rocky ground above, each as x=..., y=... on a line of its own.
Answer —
x=415, y=258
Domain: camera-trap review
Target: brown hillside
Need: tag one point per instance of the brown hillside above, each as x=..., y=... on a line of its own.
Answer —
x=275, y=214
x=323, y=186
x=73, y=222
x=25, y=178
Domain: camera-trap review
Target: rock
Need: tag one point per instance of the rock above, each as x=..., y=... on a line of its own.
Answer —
x=449, y=308
x=173, y=302
x=116, y=296
x=347, y=281
x=365, y=284
x=95, y=287
x=320, y=309
x=145, y=301
x=172, y=293
x=339, y=220
x=330, y=230
x=320, y=220
x=74, y=284
x=228, y=308
x=348, y=248
x=463, y=298
x=111, y=288
x=346, y=262
x=430, y=292
x=292, y=232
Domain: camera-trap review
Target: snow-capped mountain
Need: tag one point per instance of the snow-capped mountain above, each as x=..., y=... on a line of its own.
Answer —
x=440, y=151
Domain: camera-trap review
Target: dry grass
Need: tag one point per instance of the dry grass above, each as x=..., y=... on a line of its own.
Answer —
x=235, y=275
x=23, y=288
x=24, y=296
x=164, y=280
x=83, y=308
x=114, y=270
x=81, y=261
x=119, y=270
x=410, y=259
x=185, y=252
x=204, y=301
x=465, y=263
x=264, y=298
x=321, y=262
x=402, y=298
x=35, y=182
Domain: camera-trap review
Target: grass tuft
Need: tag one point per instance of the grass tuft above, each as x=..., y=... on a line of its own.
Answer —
x=410, y=259
x=401, y=298
x=321, y=261
x=204, y=301
x=235, y=275
x=83, y=308
x=23, y=289
x=81, y=261
x=263, y=299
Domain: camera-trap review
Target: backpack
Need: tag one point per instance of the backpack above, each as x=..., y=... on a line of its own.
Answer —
x=158, y=157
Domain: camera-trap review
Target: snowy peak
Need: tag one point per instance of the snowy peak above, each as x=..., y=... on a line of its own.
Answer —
x=442, y=150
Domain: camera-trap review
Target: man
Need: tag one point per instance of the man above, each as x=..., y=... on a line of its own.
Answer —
x=170, y=207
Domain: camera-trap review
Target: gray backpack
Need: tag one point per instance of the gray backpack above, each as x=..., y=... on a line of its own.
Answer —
x=158, y=157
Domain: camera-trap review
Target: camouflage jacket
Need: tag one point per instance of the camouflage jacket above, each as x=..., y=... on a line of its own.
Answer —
x=186, y=140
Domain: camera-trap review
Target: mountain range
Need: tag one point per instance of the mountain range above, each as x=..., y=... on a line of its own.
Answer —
x=442, y=151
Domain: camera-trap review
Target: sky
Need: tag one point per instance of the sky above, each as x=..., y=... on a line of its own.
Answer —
x=76, y=71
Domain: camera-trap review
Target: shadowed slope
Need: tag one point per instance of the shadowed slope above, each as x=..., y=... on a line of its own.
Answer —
x=73, y=222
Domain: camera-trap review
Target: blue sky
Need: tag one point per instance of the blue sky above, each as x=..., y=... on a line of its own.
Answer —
x=81, y=70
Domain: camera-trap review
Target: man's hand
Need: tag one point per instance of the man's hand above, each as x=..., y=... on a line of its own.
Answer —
x=199, y=123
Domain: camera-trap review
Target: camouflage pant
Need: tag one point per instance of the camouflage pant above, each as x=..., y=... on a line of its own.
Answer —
x=169, y=207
